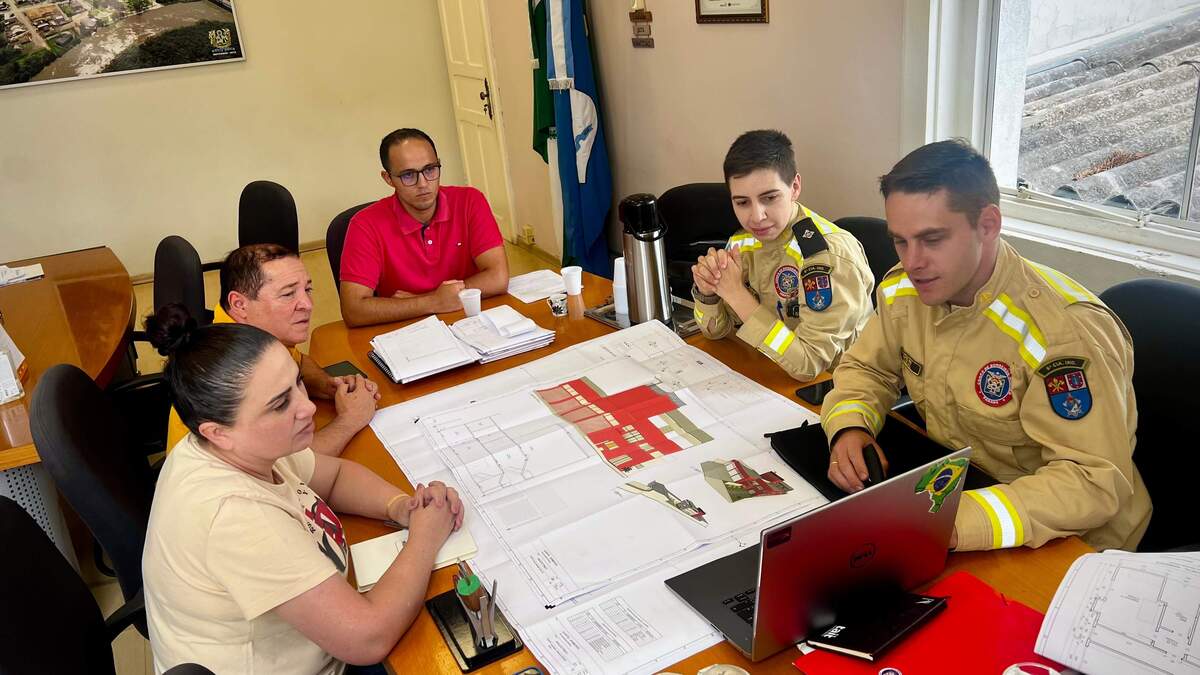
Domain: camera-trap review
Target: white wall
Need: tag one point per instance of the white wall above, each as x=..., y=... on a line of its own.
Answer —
x=825, y=73
x=123, y=161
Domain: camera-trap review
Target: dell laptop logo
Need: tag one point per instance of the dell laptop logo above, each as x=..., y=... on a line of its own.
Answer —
x=863, y=556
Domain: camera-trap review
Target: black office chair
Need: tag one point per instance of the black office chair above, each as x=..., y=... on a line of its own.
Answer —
x=83, y=443
x=52, y=623
x=877, y=244
x=697, y=216
x=267, y=215
x=1164, y=319
x=335, y=238
x=179, y=278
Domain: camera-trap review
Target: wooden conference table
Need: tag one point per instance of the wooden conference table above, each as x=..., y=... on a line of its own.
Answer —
x=1029, y=576
x=78, y=313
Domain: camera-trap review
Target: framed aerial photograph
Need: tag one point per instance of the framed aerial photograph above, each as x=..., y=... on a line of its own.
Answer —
x=732, y=11
x=45, y=41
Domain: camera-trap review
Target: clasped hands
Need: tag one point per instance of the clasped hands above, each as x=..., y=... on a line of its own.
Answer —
x=435, y=497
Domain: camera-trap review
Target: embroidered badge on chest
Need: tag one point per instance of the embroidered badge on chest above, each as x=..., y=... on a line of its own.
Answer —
x=1067, y=387
x=993, y=383
x=818, y=291
x=787, y=282
x=914, y=366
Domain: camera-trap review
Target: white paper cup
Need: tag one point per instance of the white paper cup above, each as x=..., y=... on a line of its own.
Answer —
x=470, y=298
x=573, y=279
x=620, y=298
x=619, y=272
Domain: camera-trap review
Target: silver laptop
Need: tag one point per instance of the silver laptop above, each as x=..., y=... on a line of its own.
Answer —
x=890, y=537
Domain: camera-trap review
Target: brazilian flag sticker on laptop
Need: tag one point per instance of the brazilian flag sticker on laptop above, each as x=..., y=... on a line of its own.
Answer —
x=940, y=480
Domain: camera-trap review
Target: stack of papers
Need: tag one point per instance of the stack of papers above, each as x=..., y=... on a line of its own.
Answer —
x=419, y=350
x=501, y=331
x=536, y=285
x=12, y=275
x=374, y=556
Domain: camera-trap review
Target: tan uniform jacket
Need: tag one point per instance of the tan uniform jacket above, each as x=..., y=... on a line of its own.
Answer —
x=813, y=285
x=1036, y=376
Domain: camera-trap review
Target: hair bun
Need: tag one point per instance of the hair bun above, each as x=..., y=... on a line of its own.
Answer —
x=170, y=328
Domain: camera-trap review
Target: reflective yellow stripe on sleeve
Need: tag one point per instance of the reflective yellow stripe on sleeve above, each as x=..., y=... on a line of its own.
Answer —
x=1007, y=529
x=778, y=338
x=1016, y=324
x=824, y=226
x=896, y=287
x=855, y=406
x=744, y=242
x=1064, y=285
x=698, y=314
x=793, y=251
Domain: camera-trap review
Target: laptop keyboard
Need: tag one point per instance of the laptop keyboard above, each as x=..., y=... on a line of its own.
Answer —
x=742, y=604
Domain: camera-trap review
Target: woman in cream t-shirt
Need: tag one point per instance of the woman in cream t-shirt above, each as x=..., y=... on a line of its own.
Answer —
x=245, y=559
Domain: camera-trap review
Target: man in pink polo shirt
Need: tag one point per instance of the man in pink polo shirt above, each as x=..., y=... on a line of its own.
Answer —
x=410, y=253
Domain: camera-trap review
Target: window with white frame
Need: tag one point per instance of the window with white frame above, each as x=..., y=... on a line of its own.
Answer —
x=1114, y=136
x=1094, y=101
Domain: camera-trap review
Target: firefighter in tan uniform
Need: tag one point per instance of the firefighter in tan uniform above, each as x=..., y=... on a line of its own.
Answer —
x=1013, y=358
x=790, y=283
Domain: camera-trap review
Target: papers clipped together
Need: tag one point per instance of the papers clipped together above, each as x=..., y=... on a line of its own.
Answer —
x=419, y=350
x=429, y=346
x=500, y=332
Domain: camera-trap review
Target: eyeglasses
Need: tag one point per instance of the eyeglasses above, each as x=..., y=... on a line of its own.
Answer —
x=431, y=172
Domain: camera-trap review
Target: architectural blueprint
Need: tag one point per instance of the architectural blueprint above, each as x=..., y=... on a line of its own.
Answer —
x=1118, y=613
x=543, y=455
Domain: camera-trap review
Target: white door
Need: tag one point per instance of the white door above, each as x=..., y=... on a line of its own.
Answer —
x=476, y=104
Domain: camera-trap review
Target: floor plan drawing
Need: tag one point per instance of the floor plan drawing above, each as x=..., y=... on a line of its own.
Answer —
x=1127, y=613
x=545, y=455
x=629, y=428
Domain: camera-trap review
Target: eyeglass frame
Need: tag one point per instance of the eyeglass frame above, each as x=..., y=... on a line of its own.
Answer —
x=435, y=169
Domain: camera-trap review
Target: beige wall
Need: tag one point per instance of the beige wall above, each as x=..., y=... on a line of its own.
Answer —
x=124, y=161
x=513, y=54
x=825, y=73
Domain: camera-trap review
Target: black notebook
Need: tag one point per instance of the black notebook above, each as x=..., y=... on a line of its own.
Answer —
x=806, y=451
x=866, y=630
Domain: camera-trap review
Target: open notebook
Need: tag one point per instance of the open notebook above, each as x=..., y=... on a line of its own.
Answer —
x=373, y=556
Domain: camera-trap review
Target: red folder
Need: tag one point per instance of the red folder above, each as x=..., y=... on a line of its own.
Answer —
x=980, y=631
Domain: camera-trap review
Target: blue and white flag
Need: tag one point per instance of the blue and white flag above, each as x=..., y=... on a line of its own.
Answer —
x=582, y=156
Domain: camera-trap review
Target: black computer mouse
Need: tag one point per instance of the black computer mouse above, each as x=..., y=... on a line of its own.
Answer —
x=874, y=466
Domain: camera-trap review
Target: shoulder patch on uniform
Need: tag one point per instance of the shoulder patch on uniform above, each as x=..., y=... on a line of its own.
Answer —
x=1067, y=387
x=913, y=365
x=809, y=238
x=818, y=288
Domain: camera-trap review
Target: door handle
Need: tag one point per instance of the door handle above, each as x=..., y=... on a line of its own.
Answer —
x=486, y=97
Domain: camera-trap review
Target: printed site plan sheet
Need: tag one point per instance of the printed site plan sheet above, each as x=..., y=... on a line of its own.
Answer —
x=585, y=484
x=1117, y=613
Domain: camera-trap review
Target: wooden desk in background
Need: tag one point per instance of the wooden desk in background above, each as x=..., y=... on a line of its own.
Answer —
x=1029, y=576
x=78, y=313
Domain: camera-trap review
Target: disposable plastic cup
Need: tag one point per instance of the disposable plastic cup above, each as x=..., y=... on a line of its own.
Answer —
x=470, y=298
x=573, y=279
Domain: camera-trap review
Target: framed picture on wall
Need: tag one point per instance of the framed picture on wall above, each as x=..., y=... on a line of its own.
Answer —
x=732, y=11
x=43, y=42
